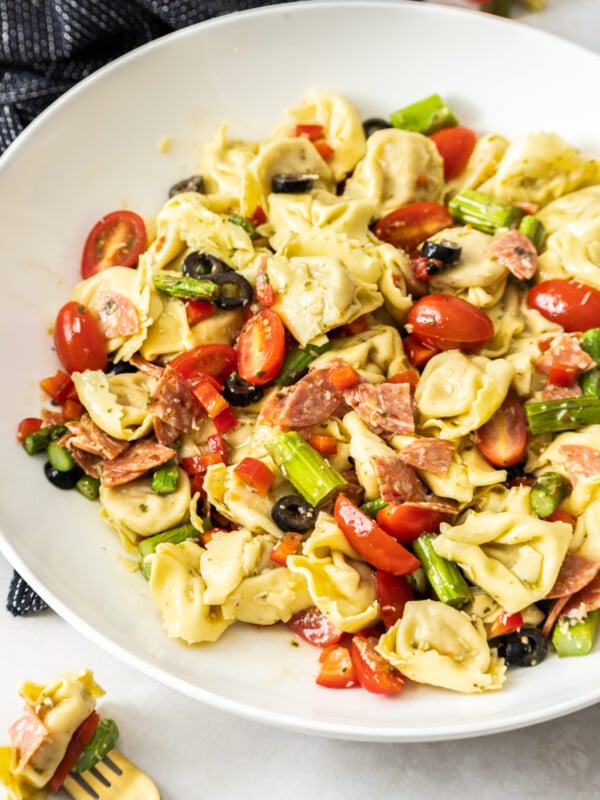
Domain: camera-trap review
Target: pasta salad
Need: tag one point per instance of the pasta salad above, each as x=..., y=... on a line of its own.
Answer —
x=347, y=380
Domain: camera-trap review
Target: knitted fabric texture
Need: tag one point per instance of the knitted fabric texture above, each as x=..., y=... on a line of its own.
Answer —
x=46, y=46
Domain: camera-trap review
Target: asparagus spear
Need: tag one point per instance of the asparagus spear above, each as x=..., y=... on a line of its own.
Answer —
x=483, y=212
x=566, y=414
x=310, y=474
x=89, y=487
x=575, y=638
x=59, y=457
x=444, y=576
x=590, y=382
x=547, y=493
x=590, y=342
x=425, y=116
x=372, y=507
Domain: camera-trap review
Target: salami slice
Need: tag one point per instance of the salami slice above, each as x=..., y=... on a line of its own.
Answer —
x=309, y=401
x=397, y=480
x=551, y=392
x=27, y=734
x=85, y=435
x=565, y=350
x=516, y=252
x=584, y=601
x=387, y=408
x=141, y=457
x=575, y=573
x=429, y=454
x=581, y=461
x=117, y=315
x=173, y=406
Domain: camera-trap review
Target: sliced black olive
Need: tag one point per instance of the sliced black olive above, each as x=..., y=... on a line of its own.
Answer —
x=62, y=480
x=240, y=393
x=374, y=124
x=284, y=183
x=293, y=513
x=120, y=367
x=236, y=291
x=195, y=183
x=445, y=251
x=525, y=647
x=199, y=264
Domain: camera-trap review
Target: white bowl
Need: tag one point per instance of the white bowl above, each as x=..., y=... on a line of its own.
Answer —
x=97, y=149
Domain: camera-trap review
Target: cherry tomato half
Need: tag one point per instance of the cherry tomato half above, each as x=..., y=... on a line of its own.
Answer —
x=455, y=146
x=408, y=226
x=79, y=342
x=261, y=347
x=503, y=438
x=374, y=673
x=574, y=305
x=446, y=322
x=407, y=521
x=337, y=670
x=116, y=240
x=217, y=360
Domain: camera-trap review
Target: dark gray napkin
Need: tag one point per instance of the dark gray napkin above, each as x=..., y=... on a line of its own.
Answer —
x=46, y=46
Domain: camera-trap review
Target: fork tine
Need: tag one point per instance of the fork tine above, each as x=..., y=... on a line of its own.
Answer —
x=113, y=778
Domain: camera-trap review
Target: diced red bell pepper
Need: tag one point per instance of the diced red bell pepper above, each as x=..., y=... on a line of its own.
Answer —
x=337, y=669
x=255, y=475
x=209, y=398
x=258, y=216
x=57, y=386
x=28, y=425
x=324, y=444
x=197, y=310
x=287, y=546
x=225, y=421
x=562, y=374
x=505, y=622
x=308, y=131
x=410, y=376
x=197, y=465
x=217, y=445
x=324, y=149
x=343, y=376
x=417, y=353
x=264, y=291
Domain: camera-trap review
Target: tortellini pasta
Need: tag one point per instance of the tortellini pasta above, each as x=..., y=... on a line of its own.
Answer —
x=436, y=644
x=513, y=556
x=458, y=393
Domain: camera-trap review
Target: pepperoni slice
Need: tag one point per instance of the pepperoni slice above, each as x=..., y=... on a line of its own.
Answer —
x=581, y=461
x=141, y=457
x=85, y=435
x=575, y=573
x=565, y=350
x=397, y=480
x=27, y=734
x=117, y=315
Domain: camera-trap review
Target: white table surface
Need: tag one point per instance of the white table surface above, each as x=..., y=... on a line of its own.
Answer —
x=196, y=752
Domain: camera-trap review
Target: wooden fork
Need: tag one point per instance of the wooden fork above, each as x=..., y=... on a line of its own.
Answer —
x=113, y=778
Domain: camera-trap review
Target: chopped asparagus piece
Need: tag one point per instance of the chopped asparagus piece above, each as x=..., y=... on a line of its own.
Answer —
x=534, y=229
x=590, y=383
x=575, y=638
x=186, y=288
x=483, y=212
x=425, y=116
x=60, y=458
x=172, y=536
x=311, y=475
x=39, y=440
x=444, y=576
x=547, y=493
x=566, y=414
x=297, y=362
x=165, y=478
x=102, y=742
x=590, y=342
x=89, y=487
x=245, y=224
x=372, y=507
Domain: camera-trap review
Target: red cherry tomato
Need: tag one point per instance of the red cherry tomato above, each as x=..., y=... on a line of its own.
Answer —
x=574, y=305
x=217, y=360
x=28, y=425
x=455, y=146
x=393, y=593
x=261, y=347
x=79, y=342
x=445, y=322
x=116, y=240
x=374, y=673
x=314, y=627
x=408, y=226
x=372, y=542
x=406, y=521
x=503, y=438
x=75, y=748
